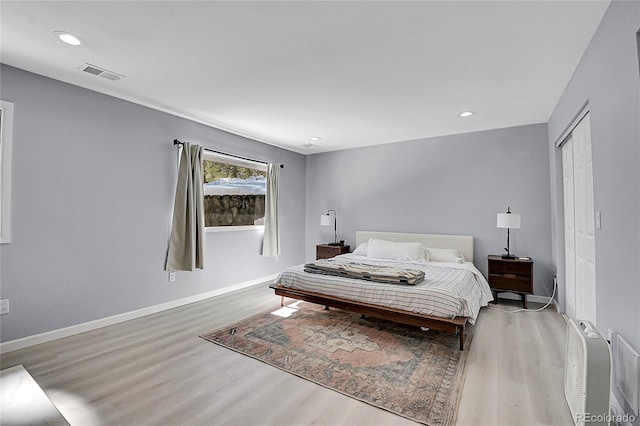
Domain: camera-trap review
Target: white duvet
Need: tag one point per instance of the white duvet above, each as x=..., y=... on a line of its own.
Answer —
x=448, y=290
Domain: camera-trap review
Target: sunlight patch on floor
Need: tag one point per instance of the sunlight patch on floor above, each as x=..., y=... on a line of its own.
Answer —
x=74, y=408
x=23, y=402
x=287, y=311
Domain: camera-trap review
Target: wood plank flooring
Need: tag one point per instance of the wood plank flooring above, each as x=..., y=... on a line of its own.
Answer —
x=155, y=370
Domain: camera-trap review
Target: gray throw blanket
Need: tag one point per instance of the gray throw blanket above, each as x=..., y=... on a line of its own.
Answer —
x=365, y=271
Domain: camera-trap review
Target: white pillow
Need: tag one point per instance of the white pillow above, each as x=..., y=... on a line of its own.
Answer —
x=383, y=249
x=445, y=255
x=361, y=250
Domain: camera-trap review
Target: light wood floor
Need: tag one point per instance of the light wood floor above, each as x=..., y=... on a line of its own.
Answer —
x=155, y=370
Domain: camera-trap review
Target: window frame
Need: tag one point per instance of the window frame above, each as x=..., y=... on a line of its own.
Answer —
x=218, y=157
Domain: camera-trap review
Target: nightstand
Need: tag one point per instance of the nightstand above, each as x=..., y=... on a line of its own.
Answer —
x=326, y=251
x=510, y=275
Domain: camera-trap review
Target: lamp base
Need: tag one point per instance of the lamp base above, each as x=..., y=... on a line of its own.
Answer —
x=508, y=256
x=333, y=244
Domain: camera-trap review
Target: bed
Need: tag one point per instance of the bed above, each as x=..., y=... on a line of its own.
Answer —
x=450, y=296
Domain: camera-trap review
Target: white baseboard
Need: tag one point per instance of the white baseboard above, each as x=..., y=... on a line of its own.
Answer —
x=36, y=339
x=531, y=298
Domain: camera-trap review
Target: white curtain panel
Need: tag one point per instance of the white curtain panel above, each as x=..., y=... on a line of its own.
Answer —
x=186, y=248
x=271, y=242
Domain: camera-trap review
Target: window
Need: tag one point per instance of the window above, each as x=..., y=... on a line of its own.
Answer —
x=234, y=191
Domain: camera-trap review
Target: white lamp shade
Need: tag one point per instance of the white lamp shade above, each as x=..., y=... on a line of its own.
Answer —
x=326, y=220
x=509, y=220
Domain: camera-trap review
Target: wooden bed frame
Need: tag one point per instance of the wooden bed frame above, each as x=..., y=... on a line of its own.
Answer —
x=464, y=244
x=455, y=325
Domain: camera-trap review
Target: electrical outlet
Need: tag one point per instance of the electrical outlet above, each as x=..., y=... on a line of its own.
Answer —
x=172, y=276
x=4, y=306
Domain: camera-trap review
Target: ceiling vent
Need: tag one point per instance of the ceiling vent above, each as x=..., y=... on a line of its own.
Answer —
x=101, y=72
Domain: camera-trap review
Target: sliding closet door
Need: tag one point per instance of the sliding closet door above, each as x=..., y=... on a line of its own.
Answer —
x=569, y=228
x=585, y=222
x=579, y=223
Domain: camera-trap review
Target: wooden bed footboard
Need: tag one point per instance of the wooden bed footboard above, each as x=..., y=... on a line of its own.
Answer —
x=448, y=325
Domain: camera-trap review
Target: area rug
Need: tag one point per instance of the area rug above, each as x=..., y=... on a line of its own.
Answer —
x=414, y=373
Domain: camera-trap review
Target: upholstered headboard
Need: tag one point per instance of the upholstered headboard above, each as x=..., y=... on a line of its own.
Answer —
x=463, y=243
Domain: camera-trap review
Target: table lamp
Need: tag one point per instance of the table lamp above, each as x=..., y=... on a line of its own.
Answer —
x=510, y=221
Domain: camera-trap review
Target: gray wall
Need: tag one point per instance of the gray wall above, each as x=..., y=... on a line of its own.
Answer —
x=608, y=77
x=445, y=185
x=93, y=185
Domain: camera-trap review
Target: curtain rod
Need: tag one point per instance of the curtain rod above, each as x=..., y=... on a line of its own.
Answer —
x=177, y=142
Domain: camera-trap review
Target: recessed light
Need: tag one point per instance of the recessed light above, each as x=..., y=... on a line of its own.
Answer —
x=69, y=38
x=467, y=113
x=315, y=138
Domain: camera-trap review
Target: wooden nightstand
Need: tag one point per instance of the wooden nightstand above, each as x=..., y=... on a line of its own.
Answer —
x=510, y=275
x=326, y=251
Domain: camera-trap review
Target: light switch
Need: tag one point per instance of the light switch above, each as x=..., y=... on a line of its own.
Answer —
x=598, y=221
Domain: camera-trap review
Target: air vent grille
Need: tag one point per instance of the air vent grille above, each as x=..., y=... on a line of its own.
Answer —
x=627, y=371
x=92, y=70
x=101, y=72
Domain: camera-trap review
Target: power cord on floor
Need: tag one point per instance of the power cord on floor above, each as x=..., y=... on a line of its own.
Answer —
x=555, y=286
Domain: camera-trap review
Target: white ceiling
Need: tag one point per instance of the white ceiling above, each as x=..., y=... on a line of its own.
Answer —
x=354, y=73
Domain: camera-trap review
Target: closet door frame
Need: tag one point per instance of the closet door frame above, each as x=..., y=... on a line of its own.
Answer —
x=579, y=219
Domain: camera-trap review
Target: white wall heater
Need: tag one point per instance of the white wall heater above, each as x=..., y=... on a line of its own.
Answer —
x=587, y=374
x=627, y=370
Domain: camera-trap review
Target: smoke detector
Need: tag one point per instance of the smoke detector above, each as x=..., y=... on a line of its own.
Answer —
x=101, y=72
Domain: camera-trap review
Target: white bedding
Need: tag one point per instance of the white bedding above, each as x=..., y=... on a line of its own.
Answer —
x=449, y=289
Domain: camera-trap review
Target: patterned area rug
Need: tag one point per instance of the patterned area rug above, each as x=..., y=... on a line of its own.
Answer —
x=402, y=369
